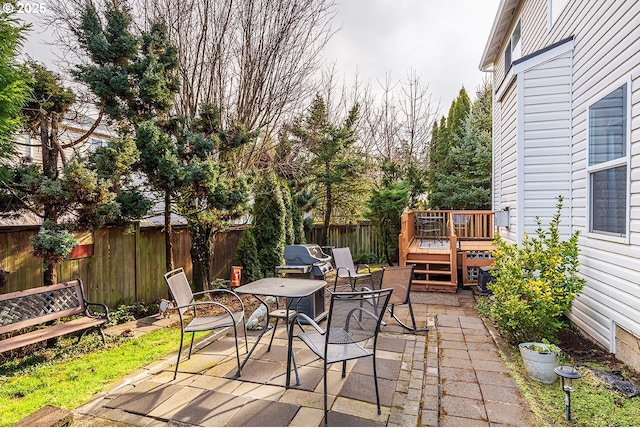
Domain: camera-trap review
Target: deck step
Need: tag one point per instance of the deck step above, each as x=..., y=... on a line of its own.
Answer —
x=421, y=258
x=436, y=286
x=432, y=271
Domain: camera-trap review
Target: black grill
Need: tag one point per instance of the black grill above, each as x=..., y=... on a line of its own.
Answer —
x=305, y=259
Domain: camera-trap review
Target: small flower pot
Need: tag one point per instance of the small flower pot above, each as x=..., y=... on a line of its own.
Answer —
x=539, y=361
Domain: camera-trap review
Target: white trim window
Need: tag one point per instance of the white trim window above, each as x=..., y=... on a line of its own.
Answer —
x=513, y=51
x=608, y=156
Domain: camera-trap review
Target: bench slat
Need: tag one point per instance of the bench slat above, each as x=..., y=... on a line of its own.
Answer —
x=49, y=332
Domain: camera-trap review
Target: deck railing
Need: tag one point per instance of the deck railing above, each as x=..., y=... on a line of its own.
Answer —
x=442, y=224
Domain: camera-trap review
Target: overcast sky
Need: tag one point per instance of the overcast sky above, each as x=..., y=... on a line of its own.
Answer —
x=442, y=40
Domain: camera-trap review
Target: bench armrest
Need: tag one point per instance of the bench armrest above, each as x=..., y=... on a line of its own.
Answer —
x=102, y=306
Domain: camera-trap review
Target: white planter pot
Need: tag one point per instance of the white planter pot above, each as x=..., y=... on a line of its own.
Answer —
x=539, y=365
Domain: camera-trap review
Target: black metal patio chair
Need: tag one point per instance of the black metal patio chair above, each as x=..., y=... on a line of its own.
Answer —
x=353, y=324
x=185, y=301
x=345, y=269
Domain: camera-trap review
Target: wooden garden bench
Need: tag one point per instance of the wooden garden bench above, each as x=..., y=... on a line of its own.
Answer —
x=38, y=306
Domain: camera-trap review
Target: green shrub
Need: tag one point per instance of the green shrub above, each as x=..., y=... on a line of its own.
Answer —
x=535, y=283
x=366, y=258
x=126, y=312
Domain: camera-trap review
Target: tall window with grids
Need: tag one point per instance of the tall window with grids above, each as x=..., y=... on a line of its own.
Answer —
x=608, y=165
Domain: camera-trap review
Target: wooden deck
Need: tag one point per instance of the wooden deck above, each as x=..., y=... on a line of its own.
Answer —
x=443, y=245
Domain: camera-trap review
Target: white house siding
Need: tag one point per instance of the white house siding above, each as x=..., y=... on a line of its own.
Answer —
x=606, y=54
x=508, y=167
x=545, y=138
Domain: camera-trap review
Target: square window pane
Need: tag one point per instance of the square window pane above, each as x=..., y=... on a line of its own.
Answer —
x=607, y=127
x=609, y=201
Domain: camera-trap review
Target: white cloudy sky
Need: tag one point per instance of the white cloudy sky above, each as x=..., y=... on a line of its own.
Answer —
x=442, y=40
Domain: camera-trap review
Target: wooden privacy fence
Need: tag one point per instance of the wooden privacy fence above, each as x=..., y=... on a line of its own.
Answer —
x=360, y=238
x=118, y=267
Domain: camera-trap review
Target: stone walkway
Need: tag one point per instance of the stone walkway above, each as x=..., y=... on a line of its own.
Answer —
x=452, y=376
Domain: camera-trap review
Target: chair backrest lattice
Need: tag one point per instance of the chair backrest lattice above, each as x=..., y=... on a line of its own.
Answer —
x=399, y=279
x=355, y=316
x=180, y=288
x=342, y=258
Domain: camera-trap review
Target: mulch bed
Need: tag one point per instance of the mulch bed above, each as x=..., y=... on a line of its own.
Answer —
x=583, y=351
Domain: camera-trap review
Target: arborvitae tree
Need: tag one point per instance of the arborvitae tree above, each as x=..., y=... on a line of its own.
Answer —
x=289, y=207
x=247, y=255
x=289, y=164
x=269, y=225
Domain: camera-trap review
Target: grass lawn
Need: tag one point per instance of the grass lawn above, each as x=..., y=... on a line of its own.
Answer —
x=68, y=375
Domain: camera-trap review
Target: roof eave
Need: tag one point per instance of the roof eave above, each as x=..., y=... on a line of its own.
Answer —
x=501, y=24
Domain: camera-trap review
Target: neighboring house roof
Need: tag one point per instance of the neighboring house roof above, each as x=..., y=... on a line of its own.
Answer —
x=499, y=30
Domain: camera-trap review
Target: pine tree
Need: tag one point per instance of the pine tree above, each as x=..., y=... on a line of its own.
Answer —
x=67, y=194
x=335, y=169
x=441, y=163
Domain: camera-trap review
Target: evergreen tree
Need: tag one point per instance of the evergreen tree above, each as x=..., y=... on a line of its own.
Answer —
x=269, y=225
x=133, y=77
x=465, y=181
x=335, y=168
x=192, y=162
x=289, y=164
x=13, y=85
x=440, y=161
x=384, y=209
x=67, y=194
x=196, y=164
x=289, y=236
x=468, y=186
x=247, y=255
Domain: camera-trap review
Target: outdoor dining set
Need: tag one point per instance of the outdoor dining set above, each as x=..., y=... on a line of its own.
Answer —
x=357, y=304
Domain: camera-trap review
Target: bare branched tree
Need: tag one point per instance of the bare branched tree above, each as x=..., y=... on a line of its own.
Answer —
x=398, y=124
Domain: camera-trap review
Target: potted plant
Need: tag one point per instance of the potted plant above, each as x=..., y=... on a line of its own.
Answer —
x=535, y=284
x=540, y=358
